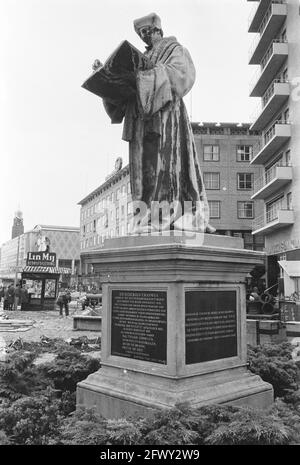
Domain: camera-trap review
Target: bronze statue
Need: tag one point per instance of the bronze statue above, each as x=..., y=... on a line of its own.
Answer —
x=164, y=166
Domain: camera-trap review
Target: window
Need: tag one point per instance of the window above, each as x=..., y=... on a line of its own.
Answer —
x=288, y=158
x=244, y=181
x=117, y=213
x=286, y=115
x=211, y=180
x=122, y=230
x=214, y=208
x=285, y=75
x=211, y=153
x=283, y=36
x=123, y=189
x=128, y=187
x=129, y=208
x=245, y=210
x=244, y=152
x=122, y=210
x=118, y=194
x=289, y=201
x=84, y=229
x=94, y=226
x=272, y=209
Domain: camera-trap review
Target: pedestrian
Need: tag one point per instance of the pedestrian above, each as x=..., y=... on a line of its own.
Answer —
x=24, y=298
x=18, y=295
x=63, y=301
x=10, y=296
x=1, y=293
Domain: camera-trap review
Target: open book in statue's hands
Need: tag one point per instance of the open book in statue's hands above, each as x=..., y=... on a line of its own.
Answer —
x=115, y=81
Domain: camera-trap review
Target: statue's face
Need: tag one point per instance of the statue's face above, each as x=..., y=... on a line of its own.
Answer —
x=149, y=35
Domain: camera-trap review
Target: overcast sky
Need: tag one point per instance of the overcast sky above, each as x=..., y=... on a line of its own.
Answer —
x=56, y=142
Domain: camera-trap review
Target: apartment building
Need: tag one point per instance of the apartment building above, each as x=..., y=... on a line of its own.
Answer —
x=224, y=151
x=276, y=52
x=105, y=213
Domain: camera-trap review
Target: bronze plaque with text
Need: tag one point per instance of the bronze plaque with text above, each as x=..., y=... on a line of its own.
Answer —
x=210, y=325
x=139, y=325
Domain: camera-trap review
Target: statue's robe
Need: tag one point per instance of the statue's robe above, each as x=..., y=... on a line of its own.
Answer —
x=163, y=161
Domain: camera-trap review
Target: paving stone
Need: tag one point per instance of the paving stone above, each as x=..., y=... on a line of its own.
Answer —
x=46, y=323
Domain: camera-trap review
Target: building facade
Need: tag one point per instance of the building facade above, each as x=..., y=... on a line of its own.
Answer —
x=276, y=52
x=64, y=241
x=105, y=213
x=225, y=150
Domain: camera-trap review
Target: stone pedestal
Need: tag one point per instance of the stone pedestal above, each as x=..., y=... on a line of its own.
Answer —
x=173, y=325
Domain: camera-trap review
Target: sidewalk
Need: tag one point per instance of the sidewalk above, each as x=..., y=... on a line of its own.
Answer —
x=45, y=323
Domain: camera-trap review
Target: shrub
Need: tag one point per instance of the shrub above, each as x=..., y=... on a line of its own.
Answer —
x=84, y=427
x=30, y=420
x=19, y=377
x=123, y=431
x=68, y=369
x=249, y=427
x=274, y=364
x=289, y=414
x=180, y=425
x=4, y=439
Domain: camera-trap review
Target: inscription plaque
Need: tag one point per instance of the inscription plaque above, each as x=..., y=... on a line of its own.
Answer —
x=139, y=325
x=210, y=325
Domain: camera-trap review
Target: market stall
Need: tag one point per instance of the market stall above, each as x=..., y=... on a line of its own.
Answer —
x=40, y=277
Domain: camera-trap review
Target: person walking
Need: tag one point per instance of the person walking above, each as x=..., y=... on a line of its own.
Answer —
x=1, y=293
x=63, y=302
x=10, y=296
x=23, y=298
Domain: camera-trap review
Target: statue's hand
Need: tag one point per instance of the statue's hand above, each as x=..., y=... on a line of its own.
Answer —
x=97, y=64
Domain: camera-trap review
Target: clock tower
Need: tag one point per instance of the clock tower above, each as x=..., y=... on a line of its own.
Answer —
x=18, y=226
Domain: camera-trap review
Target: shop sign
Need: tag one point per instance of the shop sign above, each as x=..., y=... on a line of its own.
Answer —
x=41, y=259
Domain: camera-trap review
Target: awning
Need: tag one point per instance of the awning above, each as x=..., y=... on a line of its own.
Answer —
x=47, y=269
x=291, y=267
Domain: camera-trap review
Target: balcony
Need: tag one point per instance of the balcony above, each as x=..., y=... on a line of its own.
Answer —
x=273, y=99
x=272, y=181
x=257, y=14
x=273, y=139
x=272, y=221
x=271, y=63
x=270, y=25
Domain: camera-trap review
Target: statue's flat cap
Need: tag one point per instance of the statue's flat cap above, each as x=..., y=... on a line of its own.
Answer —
x=150, y=20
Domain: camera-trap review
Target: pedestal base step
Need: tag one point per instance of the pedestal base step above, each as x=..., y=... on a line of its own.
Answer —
x=130, y=394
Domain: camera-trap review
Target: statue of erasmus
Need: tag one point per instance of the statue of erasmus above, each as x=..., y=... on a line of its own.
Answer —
x=164, y=166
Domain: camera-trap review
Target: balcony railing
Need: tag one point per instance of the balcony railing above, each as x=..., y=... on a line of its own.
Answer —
x=271, y=141
x=268, y=29
x=256, y=7
x=268, y=217
x=269, y=175
x=265, y=61
x=269, y=93
x=270, y=133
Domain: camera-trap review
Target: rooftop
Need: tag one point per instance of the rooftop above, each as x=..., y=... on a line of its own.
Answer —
x=112, y=180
